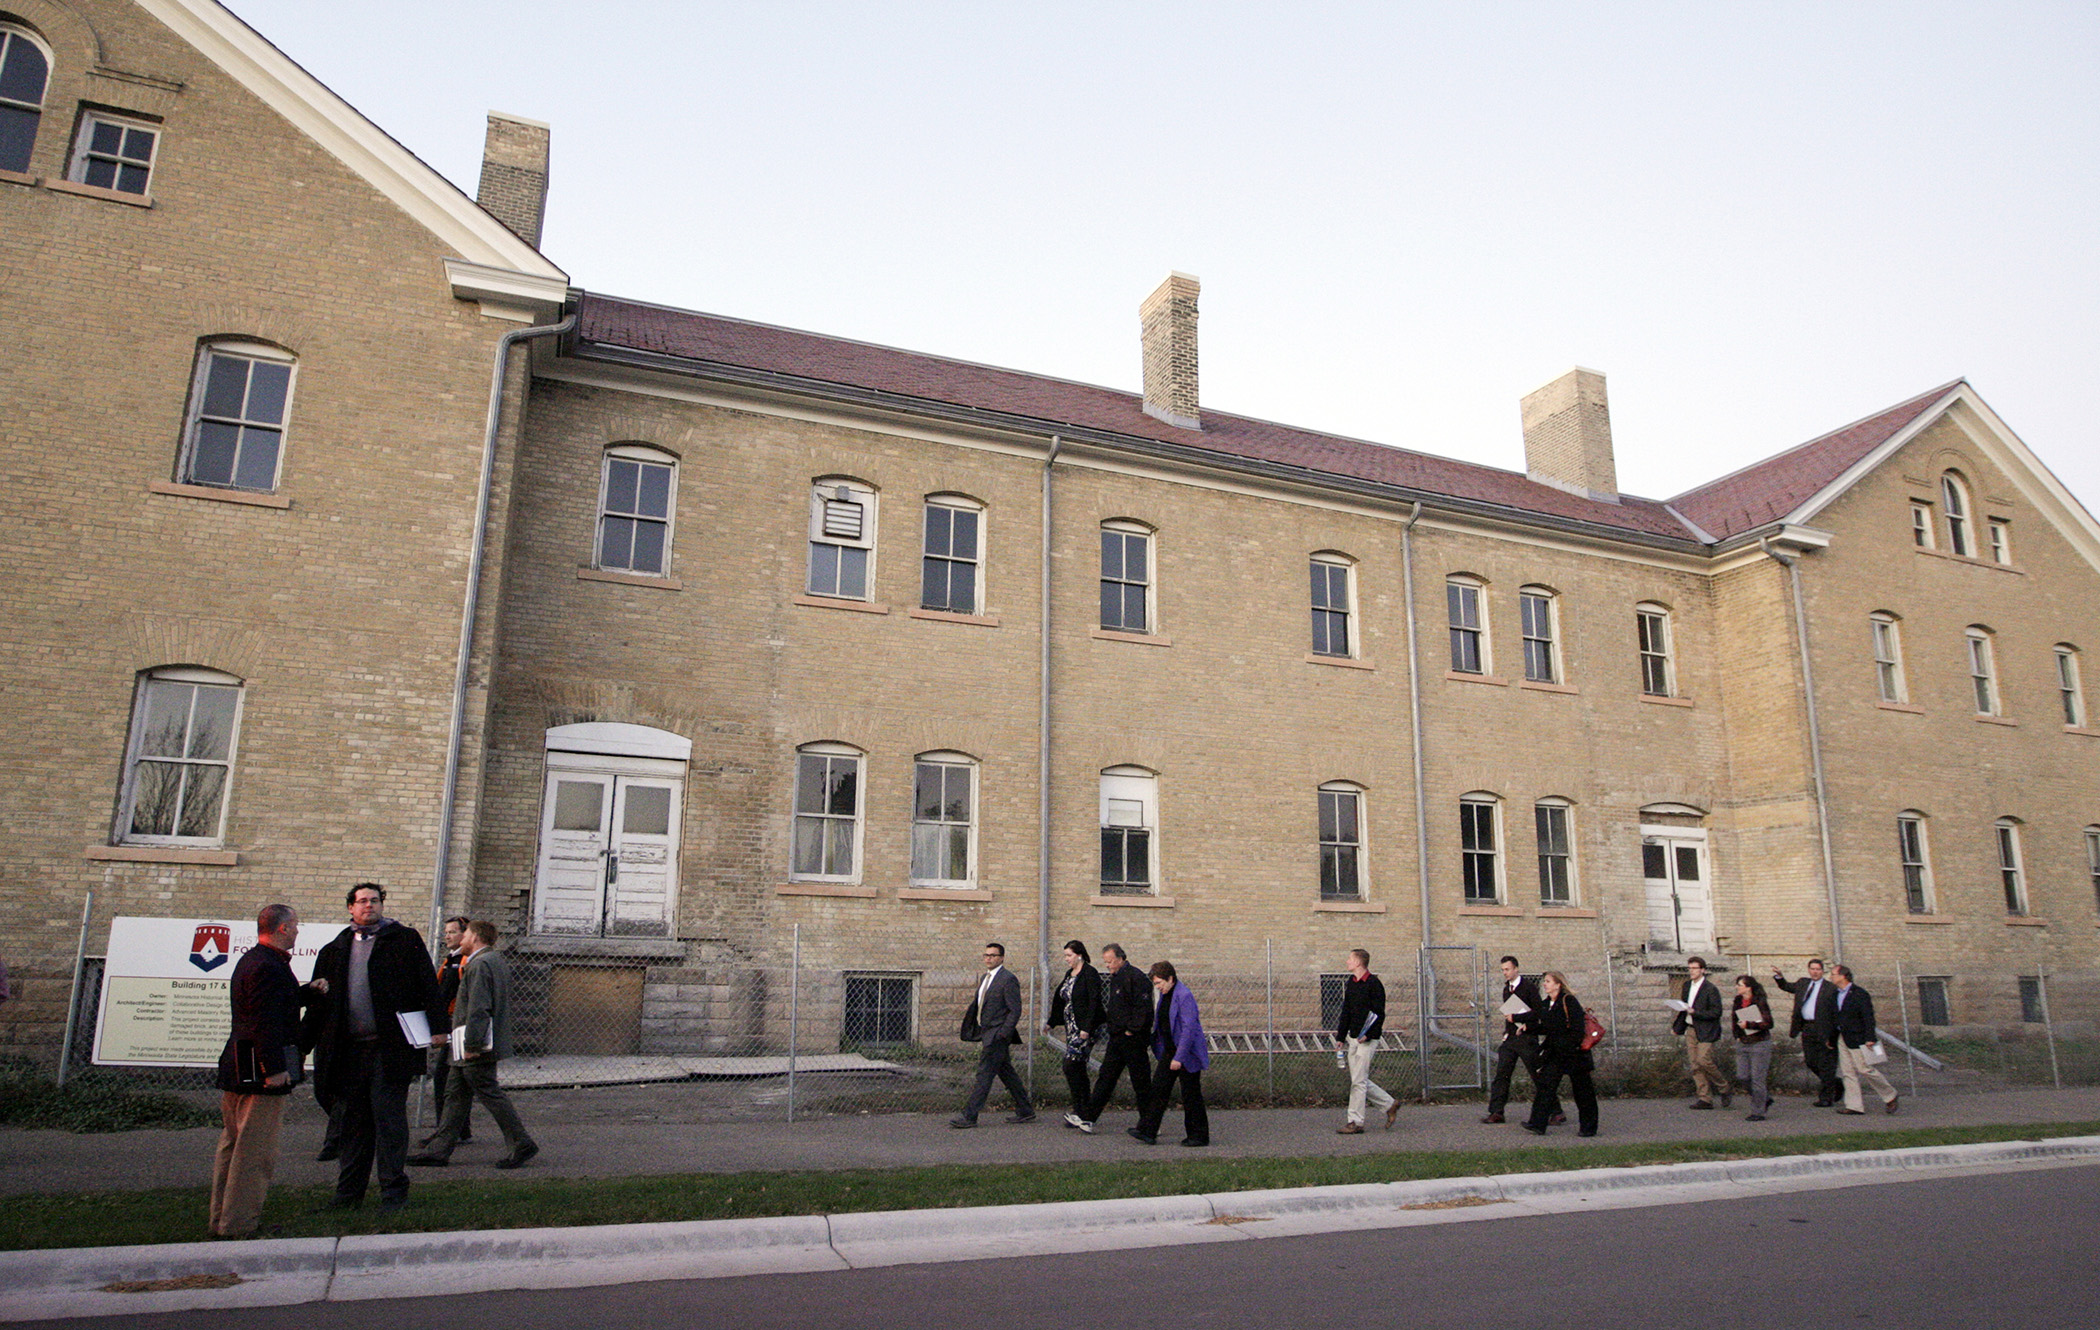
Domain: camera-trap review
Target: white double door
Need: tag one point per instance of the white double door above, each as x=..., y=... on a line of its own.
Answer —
x=1680, y=890
x=608, y=864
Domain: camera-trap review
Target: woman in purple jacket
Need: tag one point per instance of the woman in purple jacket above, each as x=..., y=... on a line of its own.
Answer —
x=1177, y=1039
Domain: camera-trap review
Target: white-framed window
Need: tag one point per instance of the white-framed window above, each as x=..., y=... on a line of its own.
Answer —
x=114, y=152
x=944, y=820
x=1465, y=603
x=1480, y=847
x=25, y=69
x=2070, y=685
x=240, y=403
x=2092, y=861
x=1341, y=841
x=636, y=502
x=879, y=1010
x=1921, y=524
x=1553, y=818
x=842, y=517
x=1887, y=631
x=1983, y=669
x=178, y=769
x=951, y=572
x=827, y=813
x=1129, y=831
x=1126, y=576
x=1954, y=502
x=1658, y=657
x=1932, y=1000
x=2012, y=873
x=1333, y=604
x=1539, y=610
x=2001, y=540
x=1914, y=854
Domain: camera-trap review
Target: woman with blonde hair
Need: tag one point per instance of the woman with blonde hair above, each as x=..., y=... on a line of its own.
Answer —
x=1560, y=1026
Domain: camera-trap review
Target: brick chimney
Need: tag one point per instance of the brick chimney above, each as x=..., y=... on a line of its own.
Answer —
x=514, y=174
x=1168, y=316
x=1567, y=436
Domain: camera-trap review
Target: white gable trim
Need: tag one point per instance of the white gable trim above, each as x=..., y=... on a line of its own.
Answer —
x=1853, y=474
x=434, y=202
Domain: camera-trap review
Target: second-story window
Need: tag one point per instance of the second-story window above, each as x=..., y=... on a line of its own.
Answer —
x=1917, y=868
x=2001, y=540
x=1331, y=605
x=2092, y=860
x=1535, y=606
x=180, y=762
x=1129, y=826
x=24, y=70
x=1983, y=670
x=2012, y=874
x=827, y=812
x=1888, y=656
x=1479, y=848
x=1921, y=525
x=1464, y=599
x=1126, y=577
x=1658, y=666
x=114, y=153
x=1341, y=841
x=2070, y=687
x=634, y=511
x=1556, y=853
x=944, y=821
x=952, y=566
x=238, y=405
x=1954, y=499
x=841, y=538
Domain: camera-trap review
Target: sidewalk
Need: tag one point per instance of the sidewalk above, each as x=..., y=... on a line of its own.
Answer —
x=54, y=1161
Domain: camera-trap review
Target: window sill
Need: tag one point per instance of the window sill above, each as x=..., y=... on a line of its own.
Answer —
x=1342, y=662
x=948, y=616
x=1492, y=911
x=1928, y=919
x=97, y=192
x=1134, y=902
x=2085, y=730
x=943, y=894
x=629, y=579
x=1537, y=687
x=1460, y=676
x=164, y=854
x=1904, y=707
x=834, y=603
x=1970, y=560
x=1998, y=720
x=1666, y=701
x=2025, y=921
x=1565, y=912
x=845, y=889
x=21, y=178
x=1142, y=639
x=216, y=495
x=1348, y=907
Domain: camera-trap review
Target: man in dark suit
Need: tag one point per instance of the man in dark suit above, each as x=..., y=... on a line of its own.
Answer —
x=1520, y=1042
x=377, y=970
x=1127, y=995
x=1815, y=1025
x=1700, y=1025
x=256, y=1071
x=481, y=1033
x=994, y=1021
x=1856, y=1034
x=449, y=961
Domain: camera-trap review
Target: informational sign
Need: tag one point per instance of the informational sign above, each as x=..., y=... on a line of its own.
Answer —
x=164, y=989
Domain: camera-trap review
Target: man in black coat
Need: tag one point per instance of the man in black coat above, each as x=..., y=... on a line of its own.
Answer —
x=1357, y=1036
x=1128, y=1003
x=1856, y=1034
x=1520, y=1043
x=1700, y=1024
x=257, y=1069
x=1815, y=1025
x=377, y=969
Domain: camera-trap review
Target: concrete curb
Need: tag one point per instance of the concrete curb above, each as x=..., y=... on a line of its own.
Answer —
x=72, y=1282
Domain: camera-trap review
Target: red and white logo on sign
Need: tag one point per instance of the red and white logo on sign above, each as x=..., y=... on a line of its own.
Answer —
x=210, y=946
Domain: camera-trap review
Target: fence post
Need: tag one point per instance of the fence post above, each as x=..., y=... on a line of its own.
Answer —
x=1611, y=997
x=1028, y=1023
x=65, y=1050
x=1268, y=947
x=1910, y=1053
x=794, y=1015
x=2041, y=982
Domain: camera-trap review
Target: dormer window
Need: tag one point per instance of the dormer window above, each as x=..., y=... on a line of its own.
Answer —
x=114, y=152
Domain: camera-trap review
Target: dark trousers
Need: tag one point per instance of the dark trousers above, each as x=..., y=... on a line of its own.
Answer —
x=1124, y=1050
x=1546, y=1101
x=1822, y=1059
x=997, y=1060
x=1195, y=1119
x=1076, y=1080
x=466, y=1082
x=375, y=1126
x=440, y=1079
x=1513, y=1051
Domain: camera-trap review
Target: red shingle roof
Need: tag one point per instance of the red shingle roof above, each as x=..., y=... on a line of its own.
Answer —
x=685, y=335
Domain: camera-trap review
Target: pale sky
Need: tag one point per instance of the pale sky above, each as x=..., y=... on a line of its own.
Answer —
x=1762, y=222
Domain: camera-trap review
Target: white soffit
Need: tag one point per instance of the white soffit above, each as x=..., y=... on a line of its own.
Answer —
x=434, y=202
x=618, y=739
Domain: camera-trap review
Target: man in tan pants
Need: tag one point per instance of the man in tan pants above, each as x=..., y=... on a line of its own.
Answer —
x=1857, y=1034
x=257, y=1069
x=1699, y=1021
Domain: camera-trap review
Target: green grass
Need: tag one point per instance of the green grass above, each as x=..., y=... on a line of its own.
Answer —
x=91, y=1101
x=176, y=1214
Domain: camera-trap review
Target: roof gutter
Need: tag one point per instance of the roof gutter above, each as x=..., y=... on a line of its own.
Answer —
x=1791, y=563
x=471, y=610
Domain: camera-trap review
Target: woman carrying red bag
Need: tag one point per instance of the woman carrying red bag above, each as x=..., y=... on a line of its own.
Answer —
x=1560, y=1025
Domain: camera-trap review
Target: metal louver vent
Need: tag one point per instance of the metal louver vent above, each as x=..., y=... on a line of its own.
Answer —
x=843, y=518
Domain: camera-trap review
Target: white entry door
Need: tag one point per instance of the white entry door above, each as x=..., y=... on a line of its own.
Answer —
x=1680, y=898
x=608, y=852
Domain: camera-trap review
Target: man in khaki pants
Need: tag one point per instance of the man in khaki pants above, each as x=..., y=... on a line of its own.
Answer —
x=1857, y=1034
x=1699, y=1021
x=256, y=1071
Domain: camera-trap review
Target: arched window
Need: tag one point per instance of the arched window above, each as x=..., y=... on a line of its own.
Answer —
x=1341, y=841
x=944, y=820
x=25, y=67
x=827, y=812
x=1887, y=632
x=1657, y=649
x=1129, y=831
x=1126, y=576
x=1539, y=609
x=1480, y=847
x=1983, y=668
x=1333, y=604
x=1465, y=602
x=2070, y=685
x=185, y=726
x=636, y=502
x=951, y=576
x=1913, y=853
x=1556, y=845
x=2012, y=872
x=1954, y=500
x=841, y=537
x=240, y=402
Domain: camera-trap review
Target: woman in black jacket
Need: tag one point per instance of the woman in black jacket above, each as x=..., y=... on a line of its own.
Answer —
x=1078, y=1007
x=1560, y=1025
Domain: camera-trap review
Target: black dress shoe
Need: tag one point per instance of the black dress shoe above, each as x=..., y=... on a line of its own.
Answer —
x=1192, y=1141
x=1536, y=1131
x=1727, y=1099
x=1702, y=1103
x=1145, y=1136
x=1557, y=1120
x=1824, y=1103
x=1591, y=1132
x=1891, y=1105
x=327, y=1153
x=1020, y=1119
x=428, y=1160
x=517, y=1157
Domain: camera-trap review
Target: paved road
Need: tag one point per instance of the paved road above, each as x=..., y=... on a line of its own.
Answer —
x=2002, y=1250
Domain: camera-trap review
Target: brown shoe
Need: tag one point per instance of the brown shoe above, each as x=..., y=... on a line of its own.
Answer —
x=1392, y=1111
x=1350, y=1129
x=1891, y=1105
x=1494, y=1118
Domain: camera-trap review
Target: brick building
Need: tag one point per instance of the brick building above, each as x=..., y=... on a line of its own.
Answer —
x=780, y=630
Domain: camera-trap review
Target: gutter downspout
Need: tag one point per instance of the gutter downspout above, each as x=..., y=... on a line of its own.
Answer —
x=1042, y=741
x=471, y=610
x=1815, y=741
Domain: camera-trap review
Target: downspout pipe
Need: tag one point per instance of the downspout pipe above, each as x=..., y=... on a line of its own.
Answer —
x=1815, y=741
x=1042, y=741
x=470, y=611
